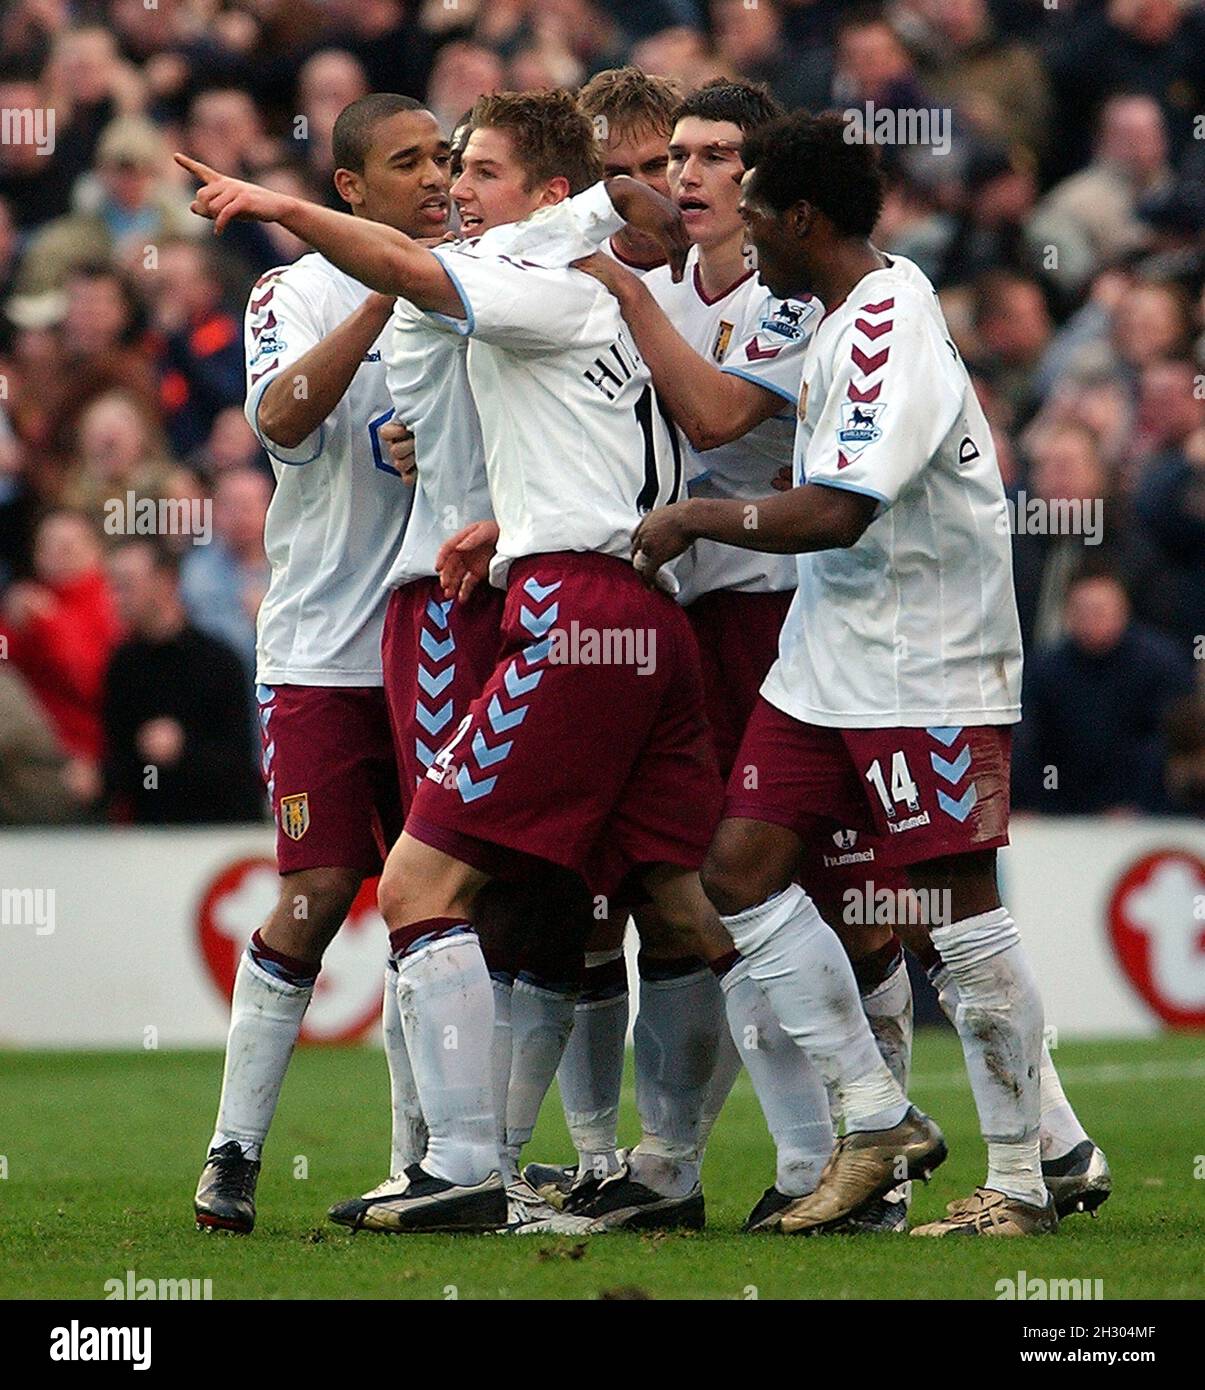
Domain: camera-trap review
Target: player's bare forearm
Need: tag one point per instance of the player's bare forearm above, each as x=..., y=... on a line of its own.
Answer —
x=711, y=407
x=298, y=400
x=811, y=517
x=380, y=257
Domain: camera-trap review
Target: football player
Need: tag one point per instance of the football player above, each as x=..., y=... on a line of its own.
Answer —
x=569, y=758
x=898, y=676
x=316, y=398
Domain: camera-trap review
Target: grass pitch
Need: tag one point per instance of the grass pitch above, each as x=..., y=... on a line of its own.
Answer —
x=103, y=1152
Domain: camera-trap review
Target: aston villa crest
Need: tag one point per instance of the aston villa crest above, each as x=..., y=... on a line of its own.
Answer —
x=295, y=815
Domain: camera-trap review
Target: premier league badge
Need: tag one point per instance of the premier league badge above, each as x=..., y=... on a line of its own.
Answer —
x=859, y=425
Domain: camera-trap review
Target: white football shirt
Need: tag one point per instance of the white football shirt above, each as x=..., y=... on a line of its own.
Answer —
x=916, y=624
x=337, y=514
x=749, y=333
x=428, y=383
x=577, y=445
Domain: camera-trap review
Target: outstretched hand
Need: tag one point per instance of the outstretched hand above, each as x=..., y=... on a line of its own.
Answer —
x=221, y=198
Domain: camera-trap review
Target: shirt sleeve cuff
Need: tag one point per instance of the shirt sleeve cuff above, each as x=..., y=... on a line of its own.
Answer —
x=305, y=452
x=595, y=214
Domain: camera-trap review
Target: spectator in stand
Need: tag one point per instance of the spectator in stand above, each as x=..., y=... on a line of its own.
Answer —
x=999, y=85
x=177, y=713
x=1149, y=46
x=1185, y=776
x=867, y=61
x=223, y=583
x=231, y=445
x=120, y=450
x=60, y=628
x=226, y=130
x=201, y=362
x=1091, y=218
x=463, y=71
x=133, y=200
x=1168, y=412
x=328, y=82
x=35, y=787
x=104, y=344
x=681, y=53
x=1070, y=483
x=749, y=39
x=1093, y=738
x=1170, y=500
x=36, y=171
x=1014, y=326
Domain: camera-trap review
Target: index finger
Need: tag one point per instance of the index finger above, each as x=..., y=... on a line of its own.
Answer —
x=196, y=168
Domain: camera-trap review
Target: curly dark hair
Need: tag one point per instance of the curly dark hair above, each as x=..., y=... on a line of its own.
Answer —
x=745, y=104
x=552, y=136
x=803, y=158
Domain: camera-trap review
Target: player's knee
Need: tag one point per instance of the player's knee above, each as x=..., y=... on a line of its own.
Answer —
x=395, y=900
x=742, y=870
x=733, y=881
x=313, y=905
x=319, y=896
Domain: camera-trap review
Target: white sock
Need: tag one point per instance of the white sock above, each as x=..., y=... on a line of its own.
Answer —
x=447, y=1011
x=676, y=1039
x=810, y=983
x=789, y=1087
x=728, y=1066
x=1059, y=1129
x=591, y=1073
x=888, y=1009
x=501, y=1047
x=999, y=1021
x=541, y=1020
x=409, y=1134
x=265, y=1018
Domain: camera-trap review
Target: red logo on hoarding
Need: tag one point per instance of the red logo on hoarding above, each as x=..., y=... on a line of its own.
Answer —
x=1157, y=925
x=347, y=996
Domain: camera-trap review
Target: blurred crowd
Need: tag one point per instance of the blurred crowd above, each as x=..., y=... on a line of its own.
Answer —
x=1063, y=222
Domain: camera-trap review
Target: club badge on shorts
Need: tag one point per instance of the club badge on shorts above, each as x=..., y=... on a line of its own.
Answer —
x=295, y=815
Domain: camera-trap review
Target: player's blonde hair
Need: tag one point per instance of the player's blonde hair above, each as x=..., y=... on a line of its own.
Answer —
x=552, y=136
x=626, y=100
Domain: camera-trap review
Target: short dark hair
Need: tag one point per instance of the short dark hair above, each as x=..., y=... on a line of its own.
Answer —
x=744, y=104
x=803, y=158
x=351, y=138
x=553, y=137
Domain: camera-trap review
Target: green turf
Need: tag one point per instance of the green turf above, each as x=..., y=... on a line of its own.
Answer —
x=103, y=1152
